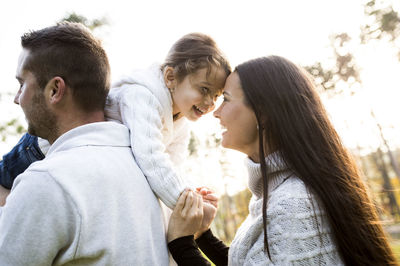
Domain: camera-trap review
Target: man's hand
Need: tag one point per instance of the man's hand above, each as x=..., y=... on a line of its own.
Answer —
x=3, y=195
x=186, y=217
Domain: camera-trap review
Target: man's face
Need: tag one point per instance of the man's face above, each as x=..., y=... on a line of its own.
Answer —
x=41, y=122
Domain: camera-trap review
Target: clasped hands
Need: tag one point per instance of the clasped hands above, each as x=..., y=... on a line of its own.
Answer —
x=193, y=213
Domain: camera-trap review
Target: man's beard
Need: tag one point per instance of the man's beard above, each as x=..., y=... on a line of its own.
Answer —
x=42, y=122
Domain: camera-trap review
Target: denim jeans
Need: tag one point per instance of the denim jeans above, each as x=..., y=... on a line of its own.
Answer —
x=18, y=159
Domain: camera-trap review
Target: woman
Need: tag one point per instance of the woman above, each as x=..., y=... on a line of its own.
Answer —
x=309, y=205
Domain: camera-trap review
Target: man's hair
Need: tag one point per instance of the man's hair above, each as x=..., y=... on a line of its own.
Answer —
x=70, y=51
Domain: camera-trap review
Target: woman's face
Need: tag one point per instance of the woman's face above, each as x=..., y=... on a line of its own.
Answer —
x=238, y=119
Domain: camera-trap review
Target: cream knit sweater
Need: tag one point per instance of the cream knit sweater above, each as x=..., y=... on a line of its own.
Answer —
x=143, y=103
x=293, y=235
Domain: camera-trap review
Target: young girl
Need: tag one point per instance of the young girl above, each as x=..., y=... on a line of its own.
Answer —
x=155, y=104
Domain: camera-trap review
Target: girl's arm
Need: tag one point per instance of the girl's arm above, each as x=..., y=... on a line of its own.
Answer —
x=142, y=113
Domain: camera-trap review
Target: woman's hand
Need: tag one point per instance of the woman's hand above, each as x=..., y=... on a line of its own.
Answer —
x=187, y=216
x=210, y=204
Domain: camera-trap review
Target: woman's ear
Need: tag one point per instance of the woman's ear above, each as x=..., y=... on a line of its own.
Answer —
x=169, y=78
x=55, y=90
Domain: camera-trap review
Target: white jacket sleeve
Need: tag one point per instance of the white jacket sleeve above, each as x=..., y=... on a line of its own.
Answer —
x=177, y=150
x=36, y=222
x=141, y=112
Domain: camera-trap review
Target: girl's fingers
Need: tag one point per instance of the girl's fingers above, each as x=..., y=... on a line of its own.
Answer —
x=203, y=190
x=211, y=197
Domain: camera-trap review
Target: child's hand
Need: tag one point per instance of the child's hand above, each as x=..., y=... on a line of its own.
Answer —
x=186, y=217
x=3, y=195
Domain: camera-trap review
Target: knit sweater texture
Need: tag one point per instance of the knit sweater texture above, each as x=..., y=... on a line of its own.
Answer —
x=86, y=203
x=143, y=103
x=294, y=238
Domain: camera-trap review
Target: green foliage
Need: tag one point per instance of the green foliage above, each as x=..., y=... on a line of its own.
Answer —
x=232, y=211
x=396, y=249
x=13, y=127
x=322, y=77
x=385, y=22
x=345, y=68
x=91, y=24
x=193, y=144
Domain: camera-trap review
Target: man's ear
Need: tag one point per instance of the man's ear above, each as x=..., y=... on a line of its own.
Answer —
x=55, y=90
x=169, y=78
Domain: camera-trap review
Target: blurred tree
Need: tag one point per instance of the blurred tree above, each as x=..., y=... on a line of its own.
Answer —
x=193, y=144
x=91, y=24
x=345, y=68
x=12, y=127
x=387, y=188
x=383, y=24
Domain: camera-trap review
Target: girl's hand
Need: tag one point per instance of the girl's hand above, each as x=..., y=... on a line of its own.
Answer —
x=208, y=196
x=186, y=217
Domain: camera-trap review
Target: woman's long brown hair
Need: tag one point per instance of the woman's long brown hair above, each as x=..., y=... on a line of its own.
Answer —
x=293, y=120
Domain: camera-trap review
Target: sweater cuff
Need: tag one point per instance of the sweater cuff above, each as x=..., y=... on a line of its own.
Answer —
x=206, y=235
x=185, y=251
x=182, y=242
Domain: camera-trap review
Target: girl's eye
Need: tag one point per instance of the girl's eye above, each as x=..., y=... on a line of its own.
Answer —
x=204, y=90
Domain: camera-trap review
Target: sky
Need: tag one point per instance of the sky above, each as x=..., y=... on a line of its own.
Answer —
x=141, y=32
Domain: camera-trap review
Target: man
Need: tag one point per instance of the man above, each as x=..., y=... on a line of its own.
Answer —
x=87, y=202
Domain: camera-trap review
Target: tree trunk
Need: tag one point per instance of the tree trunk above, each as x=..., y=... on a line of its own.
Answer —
x=393, y=160
x=387, y=186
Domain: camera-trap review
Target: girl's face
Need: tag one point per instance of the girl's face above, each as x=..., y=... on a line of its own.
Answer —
x=238, y=120
x=196, y=94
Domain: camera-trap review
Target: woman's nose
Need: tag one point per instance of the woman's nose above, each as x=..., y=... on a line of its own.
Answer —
x=16, y=98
